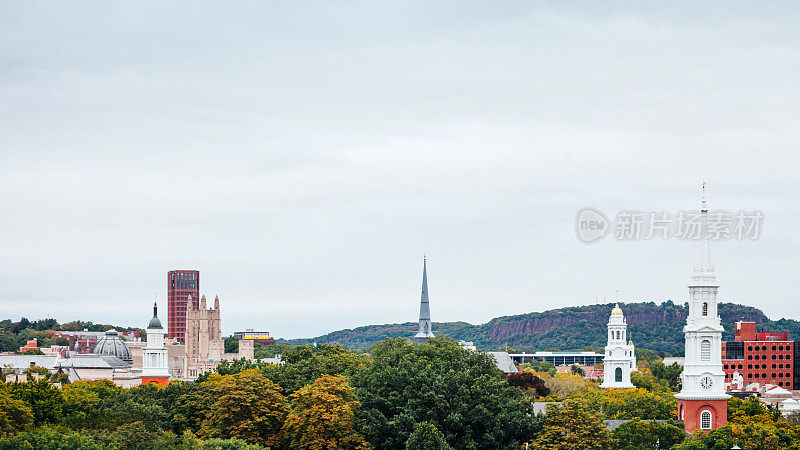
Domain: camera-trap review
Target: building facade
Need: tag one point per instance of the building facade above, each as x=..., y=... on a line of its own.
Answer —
x=425, y=325
x=619, y=358
x=560, y=358
x=703, y=402
x=764, y=358
x=182, y=285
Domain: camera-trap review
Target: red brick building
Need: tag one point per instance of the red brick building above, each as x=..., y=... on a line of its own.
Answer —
x=181, y=285
x=760, y=357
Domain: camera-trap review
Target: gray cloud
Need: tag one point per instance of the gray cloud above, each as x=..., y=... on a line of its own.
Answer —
x=304, y=157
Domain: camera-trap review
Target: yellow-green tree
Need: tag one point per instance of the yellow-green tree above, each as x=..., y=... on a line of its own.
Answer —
x=323, y=416
x=632, y=403
x=573, y=425
x=246, y=405
x=15, y=414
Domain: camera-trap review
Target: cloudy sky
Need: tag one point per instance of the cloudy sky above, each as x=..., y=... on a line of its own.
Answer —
x=305, y=155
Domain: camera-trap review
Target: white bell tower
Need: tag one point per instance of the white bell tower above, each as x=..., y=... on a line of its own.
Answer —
x=702, y=397
x=619, y=360
x=155, y=369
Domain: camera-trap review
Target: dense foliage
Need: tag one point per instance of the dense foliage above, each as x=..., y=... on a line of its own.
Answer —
x=434, y=395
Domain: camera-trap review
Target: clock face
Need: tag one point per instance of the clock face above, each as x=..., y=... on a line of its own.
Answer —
x=706, y=383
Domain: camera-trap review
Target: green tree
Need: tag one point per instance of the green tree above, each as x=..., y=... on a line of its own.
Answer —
x=639, y=434
x=460, y=392
x=323, y=416
x=671, y=373
x=247, y=406
x=15, y=414
x=426, y=437
x=48, y=438
x=303, y=365
x=539, y=366
x=43, y=398
x=573, y=425
x=231, y=345
x=137, y=436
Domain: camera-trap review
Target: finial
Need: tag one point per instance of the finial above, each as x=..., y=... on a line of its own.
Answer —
x=703, y=208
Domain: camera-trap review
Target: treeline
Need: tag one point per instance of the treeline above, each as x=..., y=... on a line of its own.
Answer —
x=13, y=335
x=398, y=396
x=657, y=327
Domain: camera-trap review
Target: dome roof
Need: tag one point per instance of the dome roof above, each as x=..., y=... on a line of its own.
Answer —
x=112, y=345
x=155, y=324
x=616, y=310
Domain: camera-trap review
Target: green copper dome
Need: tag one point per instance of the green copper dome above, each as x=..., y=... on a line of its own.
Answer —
x=154, y=322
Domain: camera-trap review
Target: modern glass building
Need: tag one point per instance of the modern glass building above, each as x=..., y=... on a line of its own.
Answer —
x=181, y=285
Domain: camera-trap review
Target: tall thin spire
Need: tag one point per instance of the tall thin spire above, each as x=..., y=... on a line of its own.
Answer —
x=704, y=260
x=155, y=309
x=425, y=325
x=703, y=273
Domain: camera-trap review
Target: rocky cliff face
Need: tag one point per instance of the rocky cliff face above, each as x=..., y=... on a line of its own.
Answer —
x=556, y=319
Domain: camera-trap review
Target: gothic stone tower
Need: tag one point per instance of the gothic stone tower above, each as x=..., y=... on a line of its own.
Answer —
x=204, y=344
x=619, y=361
x=702, y=402
x=425, y=326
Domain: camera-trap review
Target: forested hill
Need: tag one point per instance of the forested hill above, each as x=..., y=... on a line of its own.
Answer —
x=652, y=326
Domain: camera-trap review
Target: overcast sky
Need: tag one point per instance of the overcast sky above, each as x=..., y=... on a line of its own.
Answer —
x=304, y=156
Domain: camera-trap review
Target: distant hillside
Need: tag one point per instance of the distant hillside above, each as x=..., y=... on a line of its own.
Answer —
x=653, y=326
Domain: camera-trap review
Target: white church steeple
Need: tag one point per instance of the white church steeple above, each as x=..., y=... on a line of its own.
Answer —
x=619, y=360
x=702, y=397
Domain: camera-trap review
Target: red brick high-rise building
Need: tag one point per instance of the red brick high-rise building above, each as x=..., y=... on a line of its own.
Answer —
x=760, y=357
x=181, y=285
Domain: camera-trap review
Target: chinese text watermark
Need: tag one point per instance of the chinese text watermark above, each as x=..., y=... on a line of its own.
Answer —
x=592, y=225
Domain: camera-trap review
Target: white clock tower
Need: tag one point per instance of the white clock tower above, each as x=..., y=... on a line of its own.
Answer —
x=702, y=402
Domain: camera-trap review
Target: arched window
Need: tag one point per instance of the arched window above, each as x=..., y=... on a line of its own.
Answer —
x=705, y=420
x=618, y=375
x=705, y=308
x=705, y=350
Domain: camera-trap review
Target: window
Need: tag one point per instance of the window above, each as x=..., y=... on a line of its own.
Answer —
x=750, y=349
x=763, y=348
x=780, y=348
x=725, y=366
x=749, y=375
x=705, y=420
x=780, y=366
x=756, y=356
x=763, y=366
x=773, y=356
x=705, y=308
x=749, y=356
x=705, y=350
x=774, y=348
x=618, y=375
x=779, y=356
x=773, y=366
